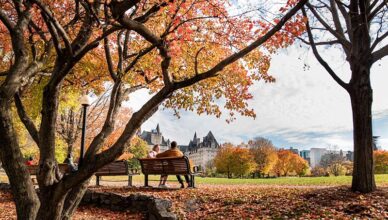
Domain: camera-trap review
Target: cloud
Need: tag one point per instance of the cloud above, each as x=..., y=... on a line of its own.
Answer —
x=304, y=108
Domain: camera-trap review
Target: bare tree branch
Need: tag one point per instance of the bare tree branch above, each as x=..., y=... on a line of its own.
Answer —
x=232, y=58
x=151, y=11
x=27, y=121
x=343, y=41
x=319, y=43
x=346, y=17
x=138, y=57
x=379, y=54
x=320, y=59
x=108, y=127
x=108, y=58
x=377, y=9
x=196, y=60
x=51, y=18
x=378, y=40
x=337, y=22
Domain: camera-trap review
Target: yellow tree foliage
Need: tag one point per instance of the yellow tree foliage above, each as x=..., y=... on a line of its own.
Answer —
x=264, y=154
x=283, y=165
x=381, y=161
x=299, y=165
x=234, y=161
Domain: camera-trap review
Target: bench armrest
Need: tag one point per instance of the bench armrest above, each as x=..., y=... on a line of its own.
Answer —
x=196, y=169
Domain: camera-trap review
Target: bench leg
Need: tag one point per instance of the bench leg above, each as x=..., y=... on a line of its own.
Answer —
x=130, y=180
x=146, y=180
x=192, y=181
x=97, y=180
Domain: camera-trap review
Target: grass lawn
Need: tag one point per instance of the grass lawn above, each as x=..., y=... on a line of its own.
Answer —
x=381, y=180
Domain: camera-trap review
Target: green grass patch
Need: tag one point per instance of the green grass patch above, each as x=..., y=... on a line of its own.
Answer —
x=381, y=179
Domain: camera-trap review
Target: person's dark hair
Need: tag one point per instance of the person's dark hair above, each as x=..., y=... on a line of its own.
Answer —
x=174, y=144
x=155, y=146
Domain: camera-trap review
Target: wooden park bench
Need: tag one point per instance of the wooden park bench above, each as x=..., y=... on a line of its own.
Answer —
x=117, y=168
x=167, y=166
x=33, y=169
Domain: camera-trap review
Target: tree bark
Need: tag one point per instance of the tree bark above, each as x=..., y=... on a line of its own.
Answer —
x=361, y=99
x=26, y=199
x=52, y=200
x=73, y=199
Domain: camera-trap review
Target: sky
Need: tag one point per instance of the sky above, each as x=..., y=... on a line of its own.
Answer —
x=304, y=108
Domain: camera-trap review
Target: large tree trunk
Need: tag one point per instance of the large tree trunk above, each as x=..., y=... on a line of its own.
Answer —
x=361, y=97
x=73, y=199
x=26, y=199
x=52, y=201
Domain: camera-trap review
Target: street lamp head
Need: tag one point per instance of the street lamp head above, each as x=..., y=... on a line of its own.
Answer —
x=85, y=101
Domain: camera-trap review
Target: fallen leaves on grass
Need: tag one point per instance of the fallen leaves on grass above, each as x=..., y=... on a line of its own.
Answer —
x=89, y=212
x=245, y=202
x=274, y=202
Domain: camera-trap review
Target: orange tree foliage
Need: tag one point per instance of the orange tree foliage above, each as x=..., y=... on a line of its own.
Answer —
x=233, y=160
x=381, y=161
x=289, y=162
x=198, y=35
x=183, y=52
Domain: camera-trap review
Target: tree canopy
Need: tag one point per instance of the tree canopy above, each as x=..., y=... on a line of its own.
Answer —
x=188, y=54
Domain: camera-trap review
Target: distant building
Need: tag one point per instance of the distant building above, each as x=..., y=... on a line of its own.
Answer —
x=316, y=155
x=201, y=152
x=294, y=150
x=349, y=156
x=305, y=154
x=155, y=137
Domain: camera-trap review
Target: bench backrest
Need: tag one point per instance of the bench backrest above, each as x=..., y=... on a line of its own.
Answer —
x=115, y=168
x=33, y=169
x=168, y=165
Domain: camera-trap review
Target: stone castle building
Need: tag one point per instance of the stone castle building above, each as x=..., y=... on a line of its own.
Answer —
x=155, y=137
x=202, y=152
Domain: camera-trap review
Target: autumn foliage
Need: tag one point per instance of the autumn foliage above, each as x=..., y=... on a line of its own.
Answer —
x=191, y=55
x=263, y=158
x=381, y=161
x=234, y=161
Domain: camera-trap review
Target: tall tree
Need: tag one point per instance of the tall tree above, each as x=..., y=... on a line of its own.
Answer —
x=360, y=30
x=234, y=160
x=183, y=52
x=224, y=160
x=299, y=165
x=264, y=153
x=283, y=165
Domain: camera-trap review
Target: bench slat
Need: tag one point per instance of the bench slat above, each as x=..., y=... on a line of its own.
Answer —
x=177, y=165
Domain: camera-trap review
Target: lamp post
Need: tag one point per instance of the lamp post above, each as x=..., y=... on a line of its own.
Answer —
x=85, y=102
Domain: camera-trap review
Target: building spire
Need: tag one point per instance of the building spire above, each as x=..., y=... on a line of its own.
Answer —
x=157, y=128
x=195, y=136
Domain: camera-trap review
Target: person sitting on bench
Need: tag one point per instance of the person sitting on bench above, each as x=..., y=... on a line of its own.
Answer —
x=173, y=152
x=152, y=154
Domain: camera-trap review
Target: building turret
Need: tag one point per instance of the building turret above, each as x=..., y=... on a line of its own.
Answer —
x=157, y=129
